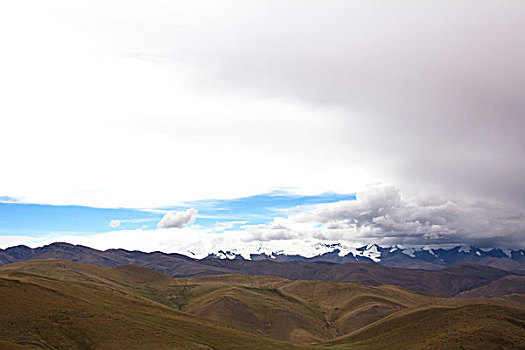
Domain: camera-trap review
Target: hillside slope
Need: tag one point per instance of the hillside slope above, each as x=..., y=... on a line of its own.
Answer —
x=307, y=311
x=58, y=304
x=475, y=326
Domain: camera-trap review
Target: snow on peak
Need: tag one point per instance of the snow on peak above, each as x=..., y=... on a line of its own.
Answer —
x=404, y=249
x=409, y=251
x=221, y=254
x=429, y=250
x=313, y=248
x=371, y=252
x=465, y=248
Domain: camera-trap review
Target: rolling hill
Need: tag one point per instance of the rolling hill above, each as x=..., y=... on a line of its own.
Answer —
x=58, y=304
x=475, y=326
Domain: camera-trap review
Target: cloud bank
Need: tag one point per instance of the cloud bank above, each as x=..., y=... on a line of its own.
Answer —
x=380, y=215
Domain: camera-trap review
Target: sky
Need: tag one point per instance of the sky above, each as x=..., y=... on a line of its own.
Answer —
x=186, y=125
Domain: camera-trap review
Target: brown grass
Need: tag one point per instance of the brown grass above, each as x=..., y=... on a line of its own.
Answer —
x=57, y=304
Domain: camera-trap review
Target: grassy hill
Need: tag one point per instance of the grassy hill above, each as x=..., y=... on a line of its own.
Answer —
x=58, y=304
x=474, y=326
x=310, y=311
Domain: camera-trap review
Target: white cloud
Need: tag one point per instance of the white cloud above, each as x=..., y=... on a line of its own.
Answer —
x=114, y=223
x=178, y=219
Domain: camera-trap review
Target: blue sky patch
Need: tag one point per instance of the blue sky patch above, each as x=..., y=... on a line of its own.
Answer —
x=36, y=220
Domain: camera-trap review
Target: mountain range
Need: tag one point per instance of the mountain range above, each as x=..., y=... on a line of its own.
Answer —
x=420, y=257
x=477, y=280
x=395, y=256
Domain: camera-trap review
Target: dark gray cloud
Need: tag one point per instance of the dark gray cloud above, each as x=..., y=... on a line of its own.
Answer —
x=431, y=95
x=382, y=215
x=434, y=87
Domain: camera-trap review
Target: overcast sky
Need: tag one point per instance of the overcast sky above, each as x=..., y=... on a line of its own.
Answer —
x=154, y=104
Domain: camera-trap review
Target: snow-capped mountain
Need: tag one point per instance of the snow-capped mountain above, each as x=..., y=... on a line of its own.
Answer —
x=421, y=257
x=424, y=257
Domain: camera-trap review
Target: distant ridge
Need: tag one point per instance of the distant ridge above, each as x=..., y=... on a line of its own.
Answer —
x=447, y=281
x=394, y=256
